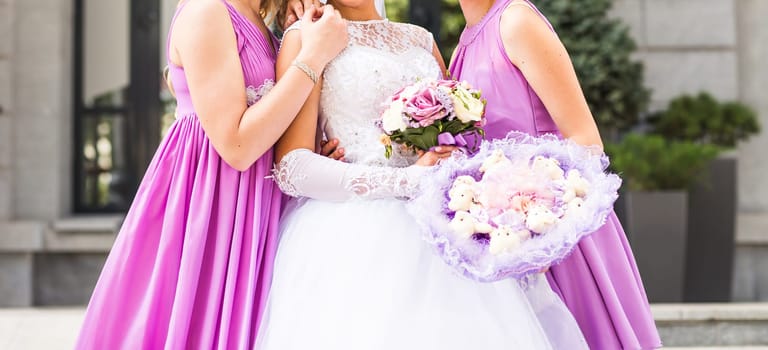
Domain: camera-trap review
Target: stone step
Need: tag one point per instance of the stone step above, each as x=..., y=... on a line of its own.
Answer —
x=712, y=325
x=682, y=326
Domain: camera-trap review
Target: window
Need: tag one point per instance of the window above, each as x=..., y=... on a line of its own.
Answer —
x=116, y=86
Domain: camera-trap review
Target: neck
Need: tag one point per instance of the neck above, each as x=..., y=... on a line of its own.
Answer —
x=364, y=12
x=475, y=10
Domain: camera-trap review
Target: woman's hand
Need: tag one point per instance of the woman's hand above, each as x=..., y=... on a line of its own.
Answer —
x=294, y=9
x=434, y=157
x=323, y=36
x=332, y=150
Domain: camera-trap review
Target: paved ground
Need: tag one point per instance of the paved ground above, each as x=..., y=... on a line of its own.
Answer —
x=43, y=329
x=56, y=328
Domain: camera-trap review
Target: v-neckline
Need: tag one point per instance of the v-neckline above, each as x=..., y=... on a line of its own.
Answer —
x=267, y=36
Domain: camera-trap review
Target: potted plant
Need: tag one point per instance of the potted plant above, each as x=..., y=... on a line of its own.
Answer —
x=712, y=200
x=654, y=203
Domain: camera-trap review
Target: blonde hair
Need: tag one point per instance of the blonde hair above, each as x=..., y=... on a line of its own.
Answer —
x=268, y=10
x=282, y=8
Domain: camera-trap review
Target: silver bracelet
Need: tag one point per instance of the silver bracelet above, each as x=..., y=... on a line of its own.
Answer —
x=305, y=68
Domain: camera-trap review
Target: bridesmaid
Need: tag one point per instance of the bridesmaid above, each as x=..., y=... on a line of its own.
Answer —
x=510, y=52
x=191, y=264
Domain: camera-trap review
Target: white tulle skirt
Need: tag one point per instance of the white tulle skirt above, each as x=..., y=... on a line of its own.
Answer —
x=357, y=276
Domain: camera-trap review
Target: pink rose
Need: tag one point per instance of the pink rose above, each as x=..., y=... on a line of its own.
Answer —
x=521, y=202
x=424, y=107
x=447, y=83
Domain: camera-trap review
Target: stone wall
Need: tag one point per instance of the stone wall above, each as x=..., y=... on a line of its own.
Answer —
x=687, y=46
x=35, y=139
x=43, y=109
x=718, y=46
x=6, y=106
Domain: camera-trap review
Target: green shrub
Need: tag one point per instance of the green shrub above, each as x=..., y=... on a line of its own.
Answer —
x=452, y=23
x=601, y=49
x=653, y=163
x=703, y=119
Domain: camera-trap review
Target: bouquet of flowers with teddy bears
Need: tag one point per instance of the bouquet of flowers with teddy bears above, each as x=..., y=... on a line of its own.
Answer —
x=518, y=206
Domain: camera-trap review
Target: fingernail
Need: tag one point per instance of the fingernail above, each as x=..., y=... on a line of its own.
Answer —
x=438, y=149
x=335, y=142
x=341, y=150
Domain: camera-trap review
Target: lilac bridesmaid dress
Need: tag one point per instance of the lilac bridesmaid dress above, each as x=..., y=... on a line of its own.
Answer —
x=191, y=264
x=599, y=282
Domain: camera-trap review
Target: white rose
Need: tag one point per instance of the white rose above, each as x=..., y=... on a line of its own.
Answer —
x=467, y=107
x=393, y=117
x=409, y=91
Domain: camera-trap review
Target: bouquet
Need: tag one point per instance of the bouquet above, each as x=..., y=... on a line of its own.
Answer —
x=433, y=113
x=519, y=205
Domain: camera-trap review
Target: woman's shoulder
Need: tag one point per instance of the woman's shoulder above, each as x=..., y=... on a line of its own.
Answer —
x=521, y=15
x=203, y=11
x=202, y=18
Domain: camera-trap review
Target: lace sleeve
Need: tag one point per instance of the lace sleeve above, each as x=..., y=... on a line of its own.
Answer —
x=429, y=40
x=303, y=173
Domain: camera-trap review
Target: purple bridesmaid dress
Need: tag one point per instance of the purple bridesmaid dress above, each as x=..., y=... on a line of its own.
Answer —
x=191, y=264
x=599, y=282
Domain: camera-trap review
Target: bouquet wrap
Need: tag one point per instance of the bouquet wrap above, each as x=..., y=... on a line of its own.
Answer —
x=516, y=207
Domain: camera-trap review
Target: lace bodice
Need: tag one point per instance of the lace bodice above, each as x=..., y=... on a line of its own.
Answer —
x=381, y=58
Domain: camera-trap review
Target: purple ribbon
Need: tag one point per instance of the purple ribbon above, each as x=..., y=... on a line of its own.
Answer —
x=466, y=140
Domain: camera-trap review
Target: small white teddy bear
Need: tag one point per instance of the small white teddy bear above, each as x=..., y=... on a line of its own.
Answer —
x=462, y=195
x=504, y=239
x=550, y=167
x=462, y=198
x=540, y=219
x=496, y=159
x=575, y=207
x=464, y=180
x=576, y=186
x=465, y=225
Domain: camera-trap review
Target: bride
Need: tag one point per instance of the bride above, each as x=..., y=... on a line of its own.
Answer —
x=351, y=270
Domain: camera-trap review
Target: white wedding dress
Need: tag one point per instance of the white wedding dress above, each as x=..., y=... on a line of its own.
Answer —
x=352, y=271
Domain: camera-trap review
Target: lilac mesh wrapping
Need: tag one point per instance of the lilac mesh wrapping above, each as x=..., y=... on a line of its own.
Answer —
x=471, y=257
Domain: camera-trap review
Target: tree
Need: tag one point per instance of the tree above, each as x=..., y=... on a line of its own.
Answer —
x=601, y=48
x=443, y=18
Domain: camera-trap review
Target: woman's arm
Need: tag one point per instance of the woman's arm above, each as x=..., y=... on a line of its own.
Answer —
x=204, y=43
x=532, y=46
x=302, y=173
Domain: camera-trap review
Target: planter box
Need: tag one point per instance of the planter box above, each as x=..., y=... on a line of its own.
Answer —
x=711, y=234
x=655, y=223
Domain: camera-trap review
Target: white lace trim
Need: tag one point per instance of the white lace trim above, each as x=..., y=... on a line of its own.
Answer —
x=285, y=175
x=373, y=182
x=253, y=94
x=357, y=181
